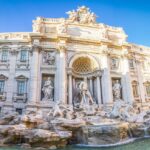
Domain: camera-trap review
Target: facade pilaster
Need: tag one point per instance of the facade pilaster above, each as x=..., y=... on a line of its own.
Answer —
x=11, y=79
x=106, y=80
x=70, y=89
x=34, y=75
x=98, y=90
x=127, y=92
x=140, y=80
x=61, y=74
x=91, y=86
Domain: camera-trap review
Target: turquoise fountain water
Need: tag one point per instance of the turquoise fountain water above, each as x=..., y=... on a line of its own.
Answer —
x=143, y=144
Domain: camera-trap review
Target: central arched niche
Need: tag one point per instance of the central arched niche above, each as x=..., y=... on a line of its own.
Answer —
x=84, y=67
x=84, y=64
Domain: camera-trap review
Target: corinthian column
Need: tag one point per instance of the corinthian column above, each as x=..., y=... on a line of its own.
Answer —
x=106, y=81
x=34, y=76
x=11, y=80
x=70, y=89
x=61, y=75
x=98, y=90
x=140, y=80
x=126, y=81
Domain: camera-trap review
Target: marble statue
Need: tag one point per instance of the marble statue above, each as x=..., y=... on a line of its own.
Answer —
x=62, y=28
x=116, y=90
x=118, y=104
x=86, y=98
x=73, y=16
x=48, y=89
x=82, y=15
x=49, y=58
x=57, y=111
x=92, y=18
x=37, y=25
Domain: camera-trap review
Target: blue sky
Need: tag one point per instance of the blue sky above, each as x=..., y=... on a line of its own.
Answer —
x=132, y=15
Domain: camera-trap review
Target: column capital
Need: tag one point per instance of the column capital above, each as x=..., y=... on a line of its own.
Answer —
x=61, y=47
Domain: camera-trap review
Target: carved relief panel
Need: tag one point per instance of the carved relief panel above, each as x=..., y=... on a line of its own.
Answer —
x=114, y=63
x=48, y=58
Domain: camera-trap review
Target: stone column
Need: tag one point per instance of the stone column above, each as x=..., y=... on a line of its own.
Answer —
x=70, y=89
x=34, y=76
x=106, y=80
x=140, y=80
x=91, y=86
x=61, y=75
x=11, y=80
x=98, y=90
x=126, y=81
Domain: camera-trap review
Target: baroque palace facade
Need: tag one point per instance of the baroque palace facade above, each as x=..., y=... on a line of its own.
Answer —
x=53, y=63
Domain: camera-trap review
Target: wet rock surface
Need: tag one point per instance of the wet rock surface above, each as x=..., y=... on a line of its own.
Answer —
x=64, y=125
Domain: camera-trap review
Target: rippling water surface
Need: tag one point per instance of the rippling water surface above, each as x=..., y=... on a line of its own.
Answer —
x=138, y=145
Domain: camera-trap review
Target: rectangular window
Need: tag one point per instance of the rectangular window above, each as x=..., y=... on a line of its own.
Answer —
x=19, y=111
x=21, y=88
x=148, y=90
x=131, y=64
x=135, y=90
x=23, y=56
x=2, y=82
x=4, y=56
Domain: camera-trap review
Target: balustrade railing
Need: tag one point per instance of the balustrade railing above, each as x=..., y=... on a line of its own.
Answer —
x=2, y=96
x=20, y=97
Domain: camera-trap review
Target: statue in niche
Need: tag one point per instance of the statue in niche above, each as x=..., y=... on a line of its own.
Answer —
x=48, y=89
x=49, y=58
x=62, y=28
x=117, y=90
x=86, y=98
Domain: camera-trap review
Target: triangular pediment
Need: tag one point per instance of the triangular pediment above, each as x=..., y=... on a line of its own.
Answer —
x=21, y=77
x=3, y=77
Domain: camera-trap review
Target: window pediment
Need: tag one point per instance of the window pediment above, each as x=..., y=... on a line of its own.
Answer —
x=3, y=77
x=21, y=77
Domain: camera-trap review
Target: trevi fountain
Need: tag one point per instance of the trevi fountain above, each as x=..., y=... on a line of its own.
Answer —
x=73, y=84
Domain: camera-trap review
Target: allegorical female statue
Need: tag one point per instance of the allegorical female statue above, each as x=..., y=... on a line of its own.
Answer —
x=48, y=89
x=117, y=90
